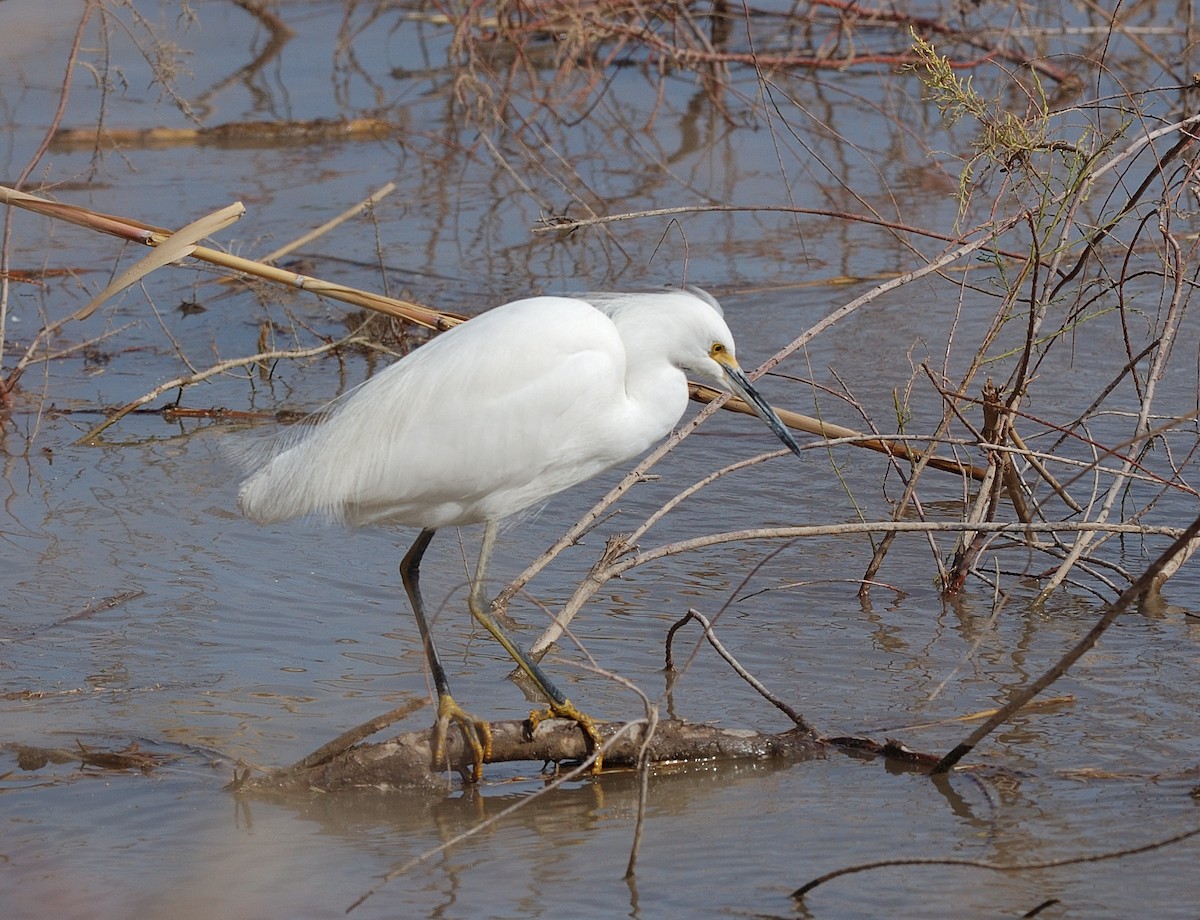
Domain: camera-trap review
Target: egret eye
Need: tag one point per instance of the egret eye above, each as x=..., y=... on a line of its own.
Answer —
x=717, y=350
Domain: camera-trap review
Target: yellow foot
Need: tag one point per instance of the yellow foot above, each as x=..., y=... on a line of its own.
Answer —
x=566, y=710
x=477, y=734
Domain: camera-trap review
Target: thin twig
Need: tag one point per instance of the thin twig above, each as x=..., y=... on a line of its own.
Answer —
x=348, y=739
x=90, y=438
x=993, y=867
x=709, y=634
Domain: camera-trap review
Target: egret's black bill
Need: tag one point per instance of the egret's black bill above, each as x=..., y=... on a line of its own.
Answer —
x=740, y=384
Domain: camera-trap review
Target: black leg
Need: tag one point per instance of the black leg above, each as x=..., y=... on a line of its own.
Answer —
x=477, y=734
x=410, y=575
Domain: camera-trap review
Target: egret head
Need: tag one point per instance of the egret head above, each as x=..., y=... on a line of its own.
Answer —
x=687, y=327
x=712, y=357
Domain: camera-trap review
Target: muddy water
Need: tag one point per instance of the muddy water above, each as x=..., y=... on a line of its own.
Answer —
x=139, y=608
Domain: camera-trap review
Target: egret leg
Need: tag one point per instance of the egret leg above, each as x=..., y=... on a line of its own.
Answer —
x=559, y=705
x=477, y=734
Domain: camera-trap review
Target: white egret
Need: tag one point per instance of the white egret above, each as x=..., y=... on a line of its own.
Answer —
x=491, y=417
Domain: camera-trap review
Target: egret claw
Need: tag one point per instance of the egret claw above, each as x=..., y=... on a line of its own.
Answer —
x=477, y=734
x=566, y=710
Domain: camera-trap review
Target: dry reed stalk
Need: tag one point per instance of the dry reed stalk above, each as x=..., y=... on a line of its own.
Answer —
x=810, y=425
x=135, y=231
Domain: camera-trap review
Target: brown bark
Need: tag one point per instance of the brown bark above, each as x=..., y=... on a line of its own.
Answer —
x=404, y=761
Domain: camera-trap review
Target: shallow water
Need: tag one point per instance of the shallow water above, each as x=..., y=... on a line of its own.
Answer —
x=230, y=643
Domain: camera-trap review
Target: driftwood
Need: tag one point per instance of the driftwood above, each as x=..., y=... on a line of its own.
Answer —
x=405, y=760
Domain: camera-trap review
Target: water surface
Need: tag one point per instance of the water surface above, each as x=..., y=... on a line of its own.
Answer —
x=233, y=644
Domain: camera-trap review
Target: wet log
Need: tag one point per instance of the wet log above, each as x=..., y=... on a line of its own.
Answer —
x=405, y=761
